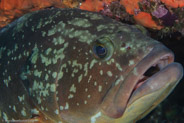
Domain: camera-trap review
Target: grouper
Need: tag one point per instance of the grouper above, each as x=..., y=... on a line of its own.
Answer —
x=75, y=66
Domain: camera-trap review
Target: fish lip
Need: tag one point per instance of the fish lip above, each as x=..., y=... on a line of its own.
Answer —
x=161, y=60
x=175, y=73
x=123, y=95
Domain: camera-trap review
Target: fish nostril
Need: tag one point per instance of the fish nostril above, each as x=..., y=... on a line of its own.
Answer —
x=123, y=45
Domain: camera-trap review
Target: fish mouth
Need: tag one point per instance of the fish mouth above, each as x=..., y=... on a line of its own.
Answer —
x=155, y=71
x=155, y=67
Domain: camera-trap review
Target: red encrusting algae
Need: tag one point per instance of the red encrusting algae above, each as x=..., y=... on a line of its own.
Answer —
x=174, y=3
x=153, y=14
x=145, y=19
x=131, y=6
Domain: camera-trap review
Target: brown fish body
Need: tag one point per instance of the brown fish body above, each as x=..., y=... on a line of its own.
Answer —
x=76, y=66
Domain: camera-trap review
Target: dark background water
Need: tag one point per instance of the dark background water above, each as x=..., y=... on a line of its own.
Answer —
x=171, y=110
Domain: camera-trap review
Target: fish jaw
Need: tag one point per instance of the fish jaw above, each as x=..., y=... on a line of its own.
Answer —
x=134, y=90
x=153, y=91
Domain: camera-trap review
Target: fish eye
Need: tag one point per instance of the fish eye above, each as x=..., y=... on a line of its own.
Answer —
x=100, y=50
x=103, y=49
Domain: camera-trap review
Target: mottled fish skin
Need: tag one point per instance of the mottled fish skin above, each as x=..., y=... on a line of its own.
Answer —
x=48, y=66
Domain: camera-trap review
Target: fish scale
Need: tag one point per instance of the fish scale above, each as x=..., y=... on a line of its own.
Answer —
x=49, y=67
